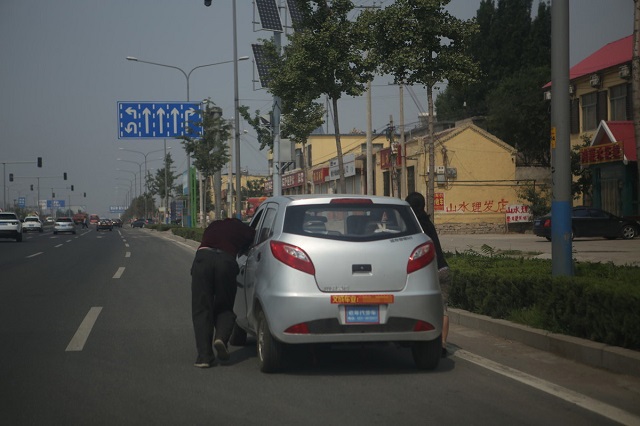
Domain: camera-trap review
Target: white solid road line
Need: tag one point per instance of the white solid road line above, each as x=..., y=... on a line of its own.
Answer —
x=568, y=395
x=80, y=338
x=119, y=272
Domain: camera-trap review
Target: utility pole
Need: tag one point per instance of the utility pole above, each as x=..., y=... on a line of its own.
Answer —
x=561, y=234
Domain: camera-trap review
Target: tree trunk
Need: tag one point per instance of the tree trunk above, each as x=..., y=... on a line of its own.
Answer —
x=432, y=159
x=336, y=126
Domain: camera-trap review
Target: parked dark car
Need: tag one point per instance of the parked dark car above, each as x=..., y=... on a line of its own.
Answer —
x=104, y=224
x=139, y=223
x=591, y=222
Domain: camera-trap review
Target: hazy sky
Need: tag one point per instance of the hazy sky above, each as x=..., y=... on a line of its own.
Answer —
x=63, y=70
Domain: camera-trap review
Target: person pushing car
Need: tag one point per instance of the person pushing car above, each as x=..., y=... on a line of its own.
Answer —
x=213, y=287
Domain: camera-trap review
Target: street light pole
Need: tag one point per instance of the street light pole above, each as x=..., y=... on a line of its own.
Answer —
x=187, y=75
x=146, y=187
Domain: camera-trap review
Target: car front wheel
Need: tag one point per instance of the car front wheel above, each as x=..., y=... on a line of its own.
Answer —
x=629, y=232
x=270, y=351
x=427, y=354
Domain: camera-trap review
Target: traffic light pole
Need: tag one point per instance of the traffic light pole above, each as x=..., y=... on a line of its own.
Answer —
x=4, y=176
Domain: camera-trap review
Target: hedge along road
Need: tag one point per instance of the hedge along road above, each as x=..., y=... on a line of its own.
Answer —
x=619, y=251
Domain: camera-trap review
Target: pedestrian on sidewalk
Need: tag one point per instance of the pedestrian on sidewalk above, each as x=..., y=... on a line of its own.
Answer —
x=417, y=203
x=213, y=287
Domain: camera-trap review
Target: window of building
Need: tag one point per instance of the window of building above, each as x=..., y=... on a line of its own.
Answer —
x=618, y=100
x=589, y=120
x=411, y=179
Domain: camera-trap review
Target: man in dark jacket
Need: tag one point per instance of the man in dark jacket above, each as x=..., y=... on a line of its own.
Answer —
x=417, y=203
x=213, y=287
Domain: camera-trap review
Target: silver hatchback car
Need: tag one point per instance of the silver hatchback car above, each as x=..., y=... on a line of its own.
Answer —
x=338, y=269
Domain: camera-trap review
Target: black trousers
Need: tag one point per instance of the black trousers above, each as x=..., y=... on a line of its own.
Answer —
x=213, y=293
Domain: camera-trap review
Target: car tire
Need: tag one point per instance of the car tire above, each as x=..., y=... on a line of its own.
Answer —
x=270, y=351
x=426, y=355
x=40, y=230
x=55, y=232
x=19, y=237
x=629, y=232
x=238, y=336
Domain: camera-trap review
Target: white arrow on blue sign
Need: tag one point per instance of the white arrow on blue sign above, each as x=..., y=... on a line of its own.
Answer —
x=148, y=120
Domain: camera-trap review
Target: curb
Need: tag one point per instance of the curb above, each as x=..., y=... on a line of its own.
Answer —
x=600, y=355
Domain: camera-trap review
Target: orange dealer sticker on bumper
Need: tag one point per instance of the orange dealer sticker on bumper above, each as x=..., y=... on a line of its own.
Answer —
x=361, y=299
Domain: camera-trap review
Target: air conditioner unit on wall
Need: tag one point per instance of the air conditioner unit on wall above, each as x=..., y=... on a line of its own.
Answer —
x=624, y=72
x=452, y=173
x=595, y=80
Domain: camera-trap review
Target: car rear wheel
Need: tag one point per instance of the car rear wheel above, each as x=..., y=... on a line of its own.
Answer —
x=19, y=237
x=629, y=232
x=270, y=351
x=427, y=355
x=238, y=336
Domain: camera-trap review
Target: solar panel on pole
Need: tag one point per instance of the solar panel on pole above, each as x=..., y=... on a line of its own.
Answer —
x=263, y=70
x=269, y=16
x=294, y=12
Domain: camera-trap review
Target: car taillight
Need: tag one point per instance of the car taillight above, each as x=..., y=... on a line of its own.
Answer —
x=423, y=326
x=301, y=328
x=547, y=223
x=421, y=257
x=292, y=256
x=351, y=201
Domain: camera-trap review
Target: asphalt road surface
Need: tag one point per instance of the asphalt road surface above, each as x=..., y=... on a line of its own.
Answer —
x=95, y=329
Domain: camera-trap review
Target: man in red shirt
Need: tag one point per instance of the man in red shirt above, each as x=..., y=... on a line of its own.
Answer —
x=213, y=286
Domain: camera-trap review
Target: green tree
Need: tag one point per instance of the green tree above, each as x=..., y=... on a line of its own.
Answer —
x=324, y=57
x=210, y=152
x=156, y=184
x=406, y=39
x=514, y=55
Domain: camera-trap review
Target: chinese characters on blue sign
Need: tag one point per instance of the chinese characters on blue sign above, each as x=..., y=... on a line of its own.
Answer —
x=148, y=120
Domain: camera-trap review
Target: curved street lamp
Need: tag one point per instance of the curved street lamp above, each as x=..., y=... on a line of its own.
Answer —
x=187, y=75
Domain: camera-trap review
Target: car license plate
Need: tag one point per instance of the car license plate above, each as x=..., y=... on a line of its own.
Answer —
x=362, y=314
x=536, y=223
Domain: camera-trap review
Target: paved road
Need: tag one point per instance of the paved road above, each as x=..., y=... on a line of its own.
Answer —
x=620, y=252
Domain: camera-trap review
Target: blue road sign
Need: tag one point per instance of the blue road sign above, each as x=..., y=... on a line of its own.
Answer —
x=149, y=120
x=22, y=202
x=55, y=204
x=117, y=209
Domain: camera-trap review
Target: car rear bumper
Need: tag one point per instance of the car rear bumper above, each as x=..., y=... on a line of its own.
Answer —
x=327, y=322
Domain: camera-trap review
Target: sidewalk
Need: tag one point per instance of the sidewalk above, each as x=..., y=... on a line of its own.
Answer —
x=584, y=351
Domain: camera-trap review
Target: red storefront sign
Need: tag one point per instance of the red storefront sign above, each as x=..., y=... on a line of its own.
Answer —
x=604, y=153
x=438, y=201
x=385, y=157
x=292, y=180
x=319, y=175
x=288, y=181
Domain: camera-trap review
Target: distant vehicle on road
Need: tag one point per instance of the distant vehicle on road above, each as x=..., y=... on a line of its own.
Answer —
x=94, y=219
x=64, y=224
x=117, y=222
x=104, y=224
x=10, y=226
x=31, y=223
x=79, y=218
x=138, y=223
x=591, y=222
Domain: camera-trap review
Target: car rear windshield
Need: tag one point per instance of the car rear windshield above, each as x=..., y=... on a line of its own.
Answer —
x=64, y=219
x=351, y=222
x=8, y=216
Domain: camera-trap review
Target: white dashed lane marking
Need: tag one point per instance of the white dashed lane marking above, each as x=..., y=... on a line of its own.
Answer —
x=82, y=334
x=119, y=272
